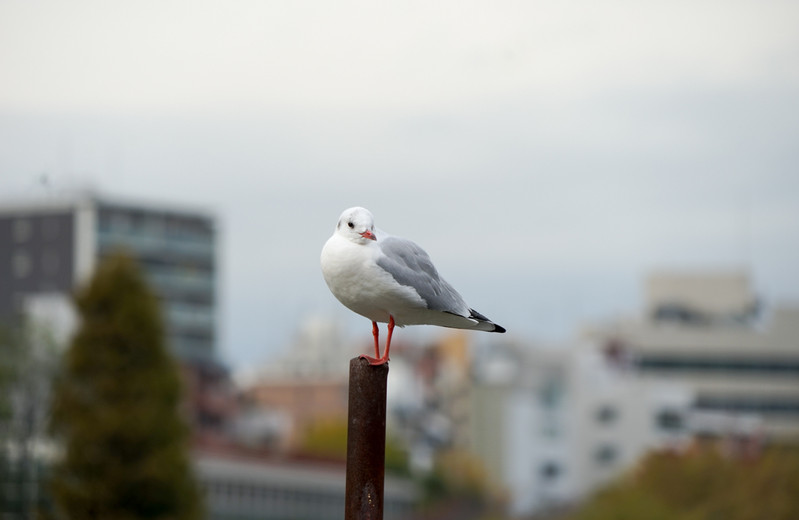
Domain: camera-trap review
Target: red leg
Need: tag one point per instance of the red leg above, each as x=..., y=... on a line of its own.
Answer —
x=380, y=360
x=376, y=333
x=388, y=339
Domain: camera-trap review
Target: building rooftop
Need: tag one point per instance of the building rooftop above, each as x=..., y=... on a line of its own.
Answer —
x=700, y=295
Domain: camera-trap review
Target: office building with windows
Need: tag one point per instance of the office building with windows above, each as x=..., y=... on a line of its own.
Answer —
x=553, y=424
x=48, y=247
x=707, y=331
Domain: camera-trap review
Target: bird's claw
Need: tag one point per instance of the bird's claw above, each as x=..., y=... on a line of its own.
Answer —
x=374, y=361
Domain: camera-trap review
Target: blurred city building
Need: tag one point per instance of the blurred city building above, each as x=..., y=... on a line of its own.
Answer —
x=317, y=350
x=555, y=423
x=277, y=413
x=429, y=398
x=548, y=425
x=428, y=401
x=50, y=246
x=245, y=488
x=280, y=400
x=708, y=331
x=267, y=474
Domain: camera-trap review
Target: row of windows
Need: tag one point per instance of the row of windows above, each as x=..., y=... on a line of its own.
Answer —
x=665, y=419
x=197, y=349
x=23, y=263
x=201, y=298
x=172, y=226
x=50, y=226
x=153, y=244
x=189, y=316
x=773, y=366
x=168, y=259
x=24, y=229
x=180, y=280
x=603, y=455
x=680, y=313
x=307, y=503
x=199, y=336
x=244, y=492
x=766, y=406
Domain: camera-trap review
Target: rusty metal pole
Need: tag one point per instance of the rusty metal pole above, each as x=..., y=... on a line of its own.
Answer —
x=366, y=441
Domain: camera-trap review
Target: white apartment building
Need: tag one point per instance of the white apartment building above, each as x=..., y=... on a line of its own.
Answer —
x=553, y=424
x=706, y=331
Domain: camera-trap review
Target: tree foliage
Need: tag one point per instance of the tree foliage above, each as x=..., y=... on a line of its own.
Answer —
x=11, y=350
x=115, y=408
x=704, y=484
x=328, y=438
x=458, y=475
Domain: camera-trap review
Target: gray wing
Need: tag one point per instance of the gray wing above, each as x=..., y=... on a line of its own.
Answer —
x=410, y=265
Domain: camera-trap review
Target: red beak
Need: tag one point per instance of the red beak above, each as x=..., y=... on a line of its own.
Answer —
x=368, y=234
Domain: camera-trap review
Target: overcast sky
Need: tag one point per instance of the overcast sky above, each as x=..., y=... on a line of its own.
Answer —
x=548, y=155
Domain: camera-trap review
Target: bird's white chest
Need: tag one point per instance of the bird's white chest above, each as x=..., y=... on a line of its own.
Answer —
x=353, y=276
x=349, y=270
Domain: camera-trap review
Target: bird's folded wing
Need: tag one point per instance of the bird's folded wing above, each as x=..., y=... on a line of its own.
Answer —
x=411, y=266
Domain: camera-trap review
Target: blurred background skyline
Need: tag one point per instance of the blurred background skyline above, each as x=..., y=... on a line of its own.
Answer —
x=547, y=156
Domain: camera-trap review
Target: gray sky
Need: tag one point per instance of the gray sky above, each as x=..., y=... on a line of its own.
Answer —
x=548, y=155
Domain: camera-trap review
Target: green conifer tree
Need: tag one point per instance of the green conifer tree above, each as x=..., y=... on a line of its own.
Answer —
x=116, y=409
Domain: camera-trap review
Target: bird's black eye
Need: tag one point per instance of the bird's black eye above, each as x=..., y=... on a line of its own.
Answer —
x=351, y=225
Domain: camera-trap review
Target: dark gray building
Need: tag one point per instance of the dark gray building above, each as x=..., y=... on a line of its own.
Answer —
x=48, y=247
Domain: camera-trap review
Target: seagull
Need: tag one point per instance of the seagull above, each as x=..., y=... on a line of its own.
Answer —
x=391, y=280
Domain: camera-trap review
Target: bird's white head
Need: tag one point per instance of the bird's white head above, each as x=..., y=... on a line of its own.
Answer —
x=357, y=224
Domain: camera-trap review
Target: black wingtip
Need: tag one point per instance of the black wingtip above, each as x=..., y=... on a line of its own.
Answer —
x=477, y=316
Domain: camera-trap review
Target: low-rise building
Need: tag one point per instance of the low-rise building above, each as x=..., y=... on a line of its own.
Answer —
x=707, y=331
x=247, y=488
x=554, y=423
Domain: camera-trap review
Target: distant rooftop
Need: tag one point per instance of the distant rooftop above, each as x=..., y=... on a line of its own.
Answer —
x=712, y=293
x=70, y=199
